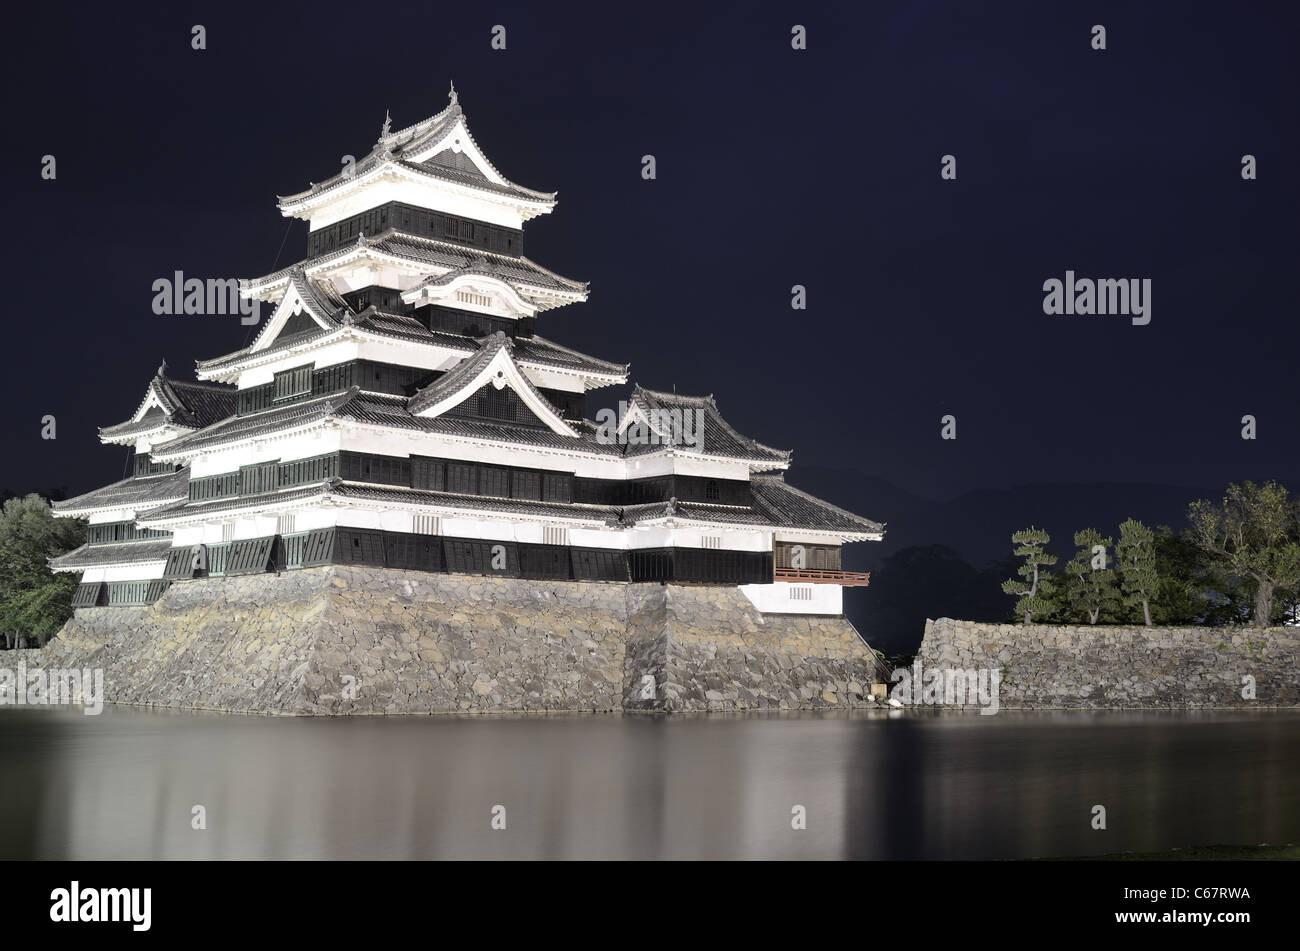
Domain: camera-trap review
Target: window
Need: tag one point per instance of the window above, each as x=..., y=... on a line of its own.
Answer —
x=227, y=531
x=711, y=541
x=801, y=592
x=526, y=485
x=555, y=535
x=557, y=487
x=295, y=382
x=494, y=481
x=462, y=477
x=425, y=524
x=258, y=478
x=498, y=404
x=711, y=491
x=284, y=525
x=427, y=474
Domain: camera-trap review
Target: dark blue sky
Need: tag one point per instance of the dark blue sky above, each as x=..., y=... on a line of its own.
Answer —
x=775, y=167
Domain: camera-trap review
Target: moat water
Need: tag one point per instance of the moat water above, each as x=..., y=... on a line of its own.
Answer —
x=125, y=784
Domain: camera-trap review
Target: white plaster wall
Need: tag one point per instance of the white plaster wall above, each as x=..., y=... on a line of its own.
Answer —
x=775, y=598
x=145, y=571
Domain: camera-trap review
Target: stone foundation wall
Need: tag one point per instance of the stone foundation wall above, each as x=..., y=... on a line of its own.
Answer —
x=1051, y=666
x=354, y=640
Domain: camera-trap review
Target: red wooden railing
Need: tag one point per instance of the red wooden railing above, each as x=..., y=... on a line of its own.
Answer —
x=823, y=576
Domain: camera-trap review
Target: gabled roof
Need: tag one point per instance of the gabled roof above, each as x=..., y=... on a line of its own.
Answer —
x=439, y=147
x=317, y=299
x=177, y=404
x=135, y=494
x=529, y=352
x=391, y=412
x=493, y=365
x=714, y=435
x=542, y=287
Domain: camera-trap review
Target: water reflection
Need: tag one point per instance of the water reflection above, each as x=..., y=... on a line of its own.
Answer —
x=124, y=784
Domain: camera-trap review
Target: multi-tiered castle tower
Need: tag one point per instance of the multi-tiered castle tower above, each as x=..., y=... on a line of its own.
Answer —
x=400, y=409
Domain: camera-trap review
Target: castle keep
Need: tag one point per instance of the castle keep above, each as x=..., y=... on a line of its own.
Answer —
x=400, y=412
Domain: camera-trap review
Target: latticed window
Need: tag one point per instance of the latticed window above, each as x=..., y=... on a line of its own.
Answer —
x=258, y=478
x=555, y=535
x=711, y=541
x=500, y=404
x=462, y=477
x=427, y=474
x=425, y=524
x=295, y=382
x=526, y=485
x=557, y=487
x=494, y=481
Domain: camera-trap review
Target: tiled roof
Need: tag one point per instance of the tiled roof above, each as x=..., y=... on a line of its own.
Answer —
x=383, y=410
x=422, y=252
x=125, y=553
x=396, y=147
x=718, y=438
x=463, y=375
x=135, y=493
x=789, y=507
x=395, y=326
x=265, y=422
x=696, y=511
x=537, y=349
x=776, y=504
x=460, y=375
x=191, y=405
x=531, y=351
x=237, y=503
x=525, y=507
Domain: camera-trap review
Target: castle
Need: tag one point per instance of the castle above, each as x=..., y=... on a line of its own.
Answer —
x=400, y=412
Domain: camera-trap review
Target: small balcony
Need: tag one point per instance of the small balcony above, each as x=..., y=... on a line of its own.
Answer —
x=823, y=576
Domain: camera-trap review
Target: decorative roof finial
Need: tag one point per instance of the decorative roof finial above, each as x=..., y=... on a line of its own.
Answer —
x=388, y=122
x=162, y=367
x=453, y=99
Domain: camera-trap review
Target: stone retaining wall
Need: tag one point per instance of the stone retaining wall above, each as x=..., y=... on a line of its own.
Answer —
x=1103, y=666
x=354, y=640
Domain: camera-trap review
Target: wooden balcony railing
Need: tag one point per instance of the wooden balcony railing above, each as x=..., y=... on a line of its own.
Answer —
x=823, y=576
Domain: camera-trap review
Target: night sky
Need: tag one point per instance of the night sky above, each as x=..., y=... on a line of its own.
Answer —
x=775, y=168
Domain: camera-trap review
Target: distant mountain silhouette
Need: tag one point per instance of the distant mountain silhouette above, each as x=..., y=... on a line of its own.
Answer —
x=975, y=529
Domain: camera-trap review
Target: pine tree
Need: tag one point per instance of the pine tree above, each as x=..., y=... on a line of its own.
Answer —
x=1253, y=535
x=1092, y=588
x=1036, y=592
x=1136, y=555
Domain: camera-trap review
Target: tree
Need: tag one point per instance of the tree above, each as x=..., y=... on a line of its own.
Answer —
x=1187, y=591
x=1036, y=592
x=1255, y=535
x=1136, y=555
x=1091, y=588
x=34, y=602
